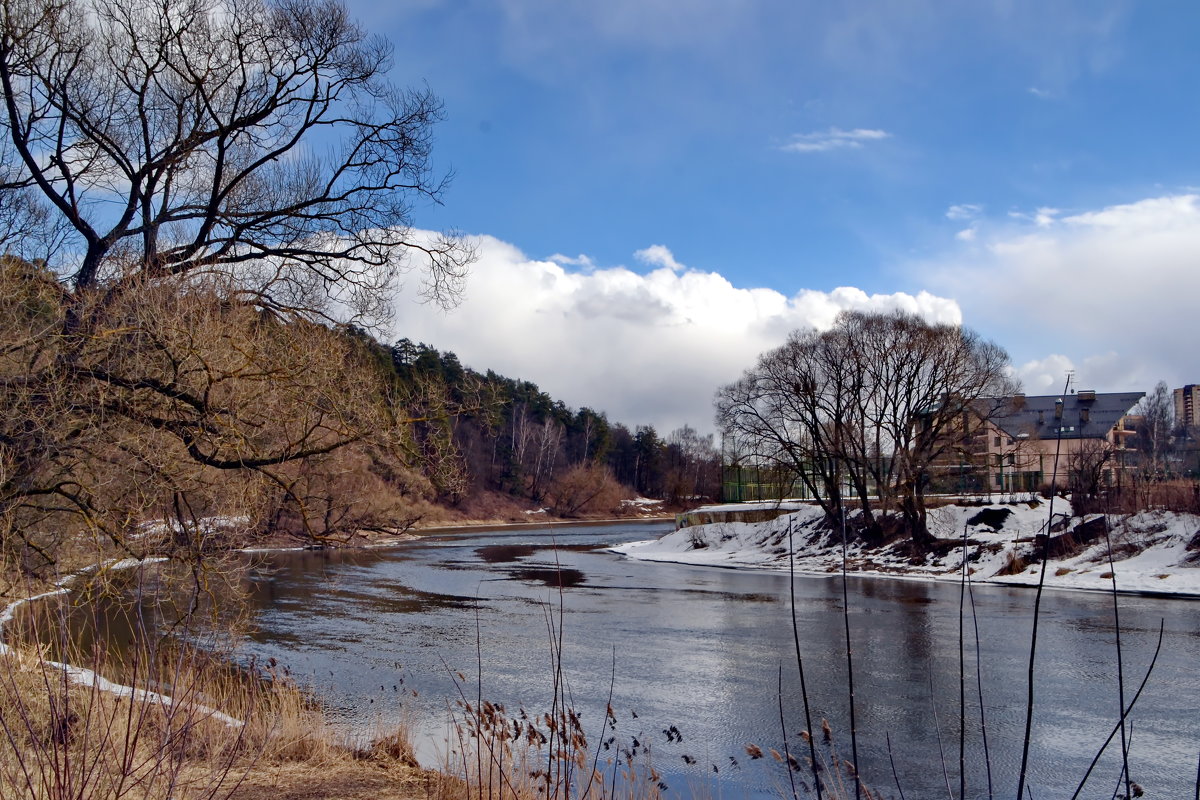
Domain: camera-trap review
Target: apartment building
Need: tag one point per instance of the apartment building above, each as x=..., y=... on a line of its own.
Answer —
x=1187, y=404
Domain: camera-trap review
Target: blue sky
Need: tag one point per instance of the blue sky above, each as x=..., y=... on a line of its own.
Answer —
x=1029, y=166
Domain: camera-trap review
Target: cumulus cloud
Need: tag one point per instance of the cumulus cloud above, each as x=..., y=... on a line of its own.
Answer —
x=1109, y=292
x=833, y=139
x=646, y=347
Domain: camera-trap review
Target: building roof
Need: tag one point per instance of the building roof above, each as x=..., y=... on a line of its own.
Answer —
x=1085, y=414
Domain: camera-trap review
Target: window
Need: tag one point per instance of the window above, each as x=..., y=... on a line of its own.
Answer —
x=997, y=442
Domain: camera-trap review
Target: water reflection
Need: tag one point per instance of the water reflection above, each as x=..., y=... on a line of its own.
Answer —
x=501, y=553
x=558, y=577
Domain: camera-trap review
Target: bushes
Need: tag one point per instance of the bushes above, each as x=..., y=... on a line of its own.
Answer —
x=584, y=490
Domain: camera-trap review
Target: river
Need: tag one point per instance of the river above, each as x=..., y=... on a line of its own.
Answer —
x=380, y=634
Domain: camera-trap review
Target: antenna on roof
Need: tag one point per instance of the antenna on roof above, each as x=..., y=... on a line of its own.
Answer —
x=1070, y=377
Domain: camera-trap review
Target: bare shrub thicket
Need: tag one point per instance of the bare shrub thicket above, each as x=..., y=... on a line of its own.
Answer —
x=586, y=489
x=1136, y=494
x=182, y=406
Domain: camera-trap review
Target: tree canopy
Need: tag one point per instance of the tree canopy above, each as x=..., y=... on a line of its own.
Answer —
x=144, y=139
x=861, y=412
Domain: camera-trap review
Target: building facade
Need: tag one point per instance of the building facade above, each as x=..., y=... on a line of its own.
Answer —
x=1024, y=443
x=1187, y=404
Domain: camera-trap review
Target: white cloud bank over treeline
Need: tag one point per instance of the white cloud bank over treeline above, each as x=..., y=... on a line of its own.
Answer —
x=1111, y=294
x=647, y=347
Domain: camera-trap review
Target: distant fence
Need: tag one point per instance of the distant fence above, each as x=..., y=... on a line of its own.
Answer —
x=703, y=516
x=741, y=484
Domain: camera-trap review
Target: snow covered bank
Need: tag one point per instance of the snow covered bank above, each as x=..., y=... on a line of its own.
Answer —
x=1153, y=552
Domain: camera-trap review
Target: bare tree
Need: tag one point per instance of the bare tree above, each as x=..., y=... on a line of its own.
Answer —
x=1157, y=410
x=250, y=136
x=867, y=407
x=788, y=413
x=182, y=408
x=1088, y=466
x=187, y=187
x=693, y=467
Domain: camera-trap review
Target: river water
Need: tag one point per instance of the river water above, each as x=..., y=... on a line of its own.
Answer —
x=382, y=634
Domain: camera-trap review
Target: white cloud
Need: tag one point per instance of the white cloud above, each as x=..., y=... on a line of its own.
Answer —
x=1041, y=94
x=657, y=255
x=1111, y=291
x=580, y=260
x=966, y=234
x=833, y=139
x=1043, y=217
x=645, y=348
x=1045, y=375
x=1176, y=212
x=963, y=211
x=1048, y=375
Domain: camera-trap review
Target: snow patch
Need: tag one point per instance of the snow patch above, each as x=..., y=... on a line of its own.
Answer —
x=1150, y=550
x=643, y=502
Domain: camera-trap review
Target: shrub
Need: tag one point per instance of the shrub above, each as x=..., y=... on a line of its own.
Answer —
x=586, y=489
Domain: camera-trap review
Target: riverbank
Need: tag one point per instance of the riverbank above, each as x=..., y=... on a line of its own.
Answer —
x=640, y=510
x=208, y=732
x=1154, y=552
x=298, y=752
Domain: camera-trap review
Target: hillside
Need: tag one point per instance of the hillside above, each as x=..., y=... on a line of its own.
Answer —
x=489, y=443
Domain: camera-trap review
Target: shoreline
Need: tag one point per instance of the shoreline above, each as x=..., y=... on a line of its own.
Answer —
x=89, y=678
x=912, y=577
x=417, y=533
x=1154, y=554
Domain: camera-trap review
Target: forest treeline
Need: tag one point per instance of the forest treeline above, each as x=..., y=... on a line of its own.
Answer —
x=479, y=432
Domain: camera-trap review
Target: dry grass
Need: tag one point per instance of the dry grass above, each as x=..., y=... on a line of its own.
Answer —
x=222, y=733
x=345, y=779
x=1014, y=564
x=61, y=739
x=502, y=755
x=66, y=739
